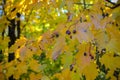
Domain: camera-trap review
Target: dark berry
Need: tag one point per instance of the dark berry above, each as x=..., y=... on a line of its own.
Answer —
x=74, y=31
x=103, y=15
x=101, y=8
x=107, y=14
x=116, y=55
x=18, y=14
x=112, y=22
x=97, y=67
x=57, y=35
x=103, y=50
x=116, y=24
x=70, y=37
x=91, y=57
x=30, y=49
x=85, y=54
x=68, y=32
x=18, y=46
x=74, y=71
x=97, y=52
x=71, y=67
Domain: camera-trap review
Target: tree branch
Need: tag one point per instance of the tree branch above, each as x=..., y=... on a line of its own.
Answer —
x=110, y=2
x=113, y=6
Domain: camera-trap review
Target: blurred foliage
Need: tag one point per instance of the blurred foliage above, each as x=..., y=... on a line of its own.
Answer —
x=61, y=40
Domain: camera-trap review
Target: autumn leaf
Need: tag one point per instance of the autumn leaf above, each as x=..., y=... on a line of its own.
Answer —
x=35, y=76
x=58, y=47
x=20, y=69
x=59, y=39
x=110, y=62
x=34, y=67
x=18, y=44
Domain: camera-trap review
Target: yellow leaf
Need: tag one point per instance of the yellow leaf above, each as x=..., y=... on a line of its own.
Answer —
x=2, y=76
x=10, y=71
x=58, y=48
x=34, y=67
x=20, y=69
x=83, y=32
x=45, y=78
x=66, y=74
x=17, y=44
x=90, y=71
x=110, y=61
x=67, y=59
x=40, y=38
x=102, y=38
x=114, y=44
x=35, y=76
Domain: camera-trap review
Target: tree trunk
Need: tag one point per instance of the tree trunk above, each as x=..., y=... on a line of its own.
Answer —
x=11, y=34
x=13, y=37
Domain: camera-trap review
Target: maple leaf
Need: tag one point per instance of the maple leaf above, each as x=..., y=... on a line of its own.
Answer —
x=110, y=62
x=83, y=33
x=34, y=67
x=20, y=69
x=35, y=76
x=68, y=40
x=17, y=44
x=58, y=48
x=90, y=71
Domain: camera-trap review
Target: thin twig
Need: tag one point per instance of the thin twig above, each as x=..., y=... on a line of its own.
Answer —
x=113, y=6
x=110, y=2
